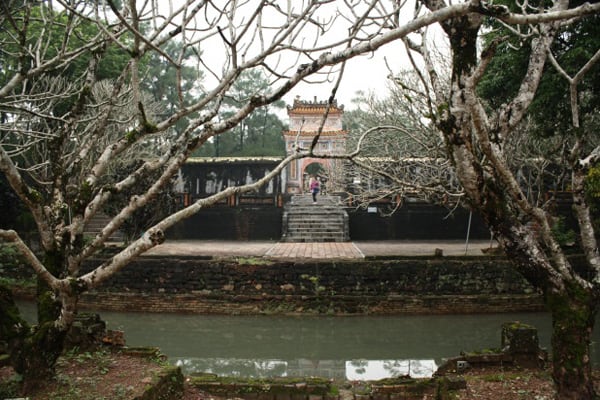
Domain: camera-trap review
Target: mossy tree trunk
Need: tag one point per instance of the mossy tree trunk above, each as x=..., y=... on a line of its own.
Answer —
x=573, y=317
x=36, y=354
x=43, y=347
x=12, y=327
x=48, y=305
x=474, y=144
x=34, y=351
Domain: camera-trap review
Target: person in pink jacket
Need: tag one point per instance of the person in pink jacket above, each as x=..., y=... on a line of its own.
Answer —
x=314, y=187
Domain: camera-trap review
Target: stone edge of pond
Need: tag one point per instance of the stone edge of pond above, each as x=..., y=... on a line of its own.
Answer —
x=324, y=389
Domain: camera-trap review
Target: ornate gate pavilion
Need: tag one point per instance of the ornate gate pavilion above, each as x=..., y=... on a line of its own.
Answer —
x=305, y=120
x=258, y=215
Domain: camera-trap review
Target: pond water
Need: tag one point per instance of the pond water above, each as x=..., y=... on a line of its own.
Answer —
x=356, y=348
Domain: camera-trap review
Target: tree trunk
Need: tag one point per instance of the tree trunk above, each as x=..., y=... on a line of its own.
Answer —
x=12, y=327
x=37, y=354
x=48, y=306
x=573, y=316
x=33, y=354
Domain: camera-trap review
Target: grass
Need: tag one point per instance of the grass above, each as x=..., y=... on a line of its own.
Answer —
x=252, y=261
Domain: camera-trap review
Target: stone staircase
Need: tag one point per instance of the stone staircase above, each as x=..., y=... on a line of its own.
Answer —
x=96, y=224
x=324, y=221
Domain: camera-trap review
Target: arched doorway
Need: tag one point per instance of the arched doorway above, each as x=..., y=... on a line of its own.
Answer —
x=318, y=170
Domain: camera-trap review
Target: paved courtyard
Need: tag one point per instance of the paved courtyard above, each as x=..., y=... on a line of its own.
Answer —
x=321, y=250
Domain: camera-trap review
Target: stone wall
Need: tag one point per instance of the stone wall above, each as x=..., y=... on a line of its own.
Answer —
x=224, y=304
x=230, y=223
x=416, y=221
x=444, y=275
x=408, y=286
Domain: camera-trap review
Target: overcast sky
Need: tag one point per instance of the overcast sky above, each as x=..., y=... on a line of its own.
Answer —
x=367, y=73
x=362, y=73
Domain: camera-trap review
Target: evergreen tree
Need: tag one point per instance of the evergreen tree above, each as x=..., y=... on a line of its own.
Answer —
x=260, y=133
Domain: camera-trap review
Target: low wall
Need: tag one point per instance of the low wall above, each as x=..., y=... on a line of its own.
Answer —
x=230, y=223
x=412, y=221
x=404, y=286
x=415, y=221
x=296, y=305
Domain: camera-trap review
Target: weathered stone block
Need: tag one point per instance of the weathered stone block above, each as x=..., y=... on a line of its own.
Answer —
x=86, y=332
x=114, y=338
x=519, y=338
x=521, y=342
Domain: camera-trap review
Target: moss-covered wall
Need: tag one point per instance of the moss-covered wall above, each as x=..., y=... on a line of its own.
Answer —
x=480, y=275
x=252, y=286
x=418, y=285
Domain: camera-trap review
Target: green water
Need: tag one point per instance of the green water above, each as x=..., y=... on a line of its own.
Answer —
x=367, y=347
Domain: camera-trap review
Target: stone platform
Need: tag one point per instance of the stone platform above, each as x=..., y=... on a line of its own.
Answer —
x=320, y=250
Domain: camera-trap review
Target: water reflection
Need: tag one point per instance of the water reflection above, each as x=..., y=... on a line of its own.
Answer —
x=233, y=367
x=332, y=347
x=368, y=370
x=355, y=370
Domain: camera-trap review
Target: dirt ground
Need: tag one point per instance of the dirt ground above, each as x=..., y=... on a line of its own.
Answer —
x=112, y=375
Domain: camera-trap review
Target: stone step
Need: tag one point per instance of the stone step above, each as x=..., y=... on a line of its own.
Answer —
x=307, y=200
x=315, y=224
x=323, y=221
x=314, y=232
x=312, y=238
x=308, y=221
x=315, y=210
x=319, y=203
x=316, y=216
x=330, y=220
x=97, y=223
x=312, y=211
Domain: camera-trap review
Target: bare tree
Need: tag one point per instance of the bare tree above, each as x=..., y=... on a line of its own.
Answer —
x=60, y=135
x=400, y=153
x=506, y=174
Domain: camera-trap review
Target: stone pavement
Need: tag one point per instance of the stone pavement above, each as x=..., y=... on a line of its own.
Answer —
x=321, y=250
x=314, y=250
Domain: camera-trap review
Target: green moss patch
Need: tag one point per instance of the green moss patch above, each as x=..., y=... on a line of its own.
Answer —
x=228, y=386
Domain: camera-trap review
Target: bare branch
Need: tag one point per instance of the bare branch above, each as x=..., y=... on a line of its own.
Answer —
x=13, y=237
